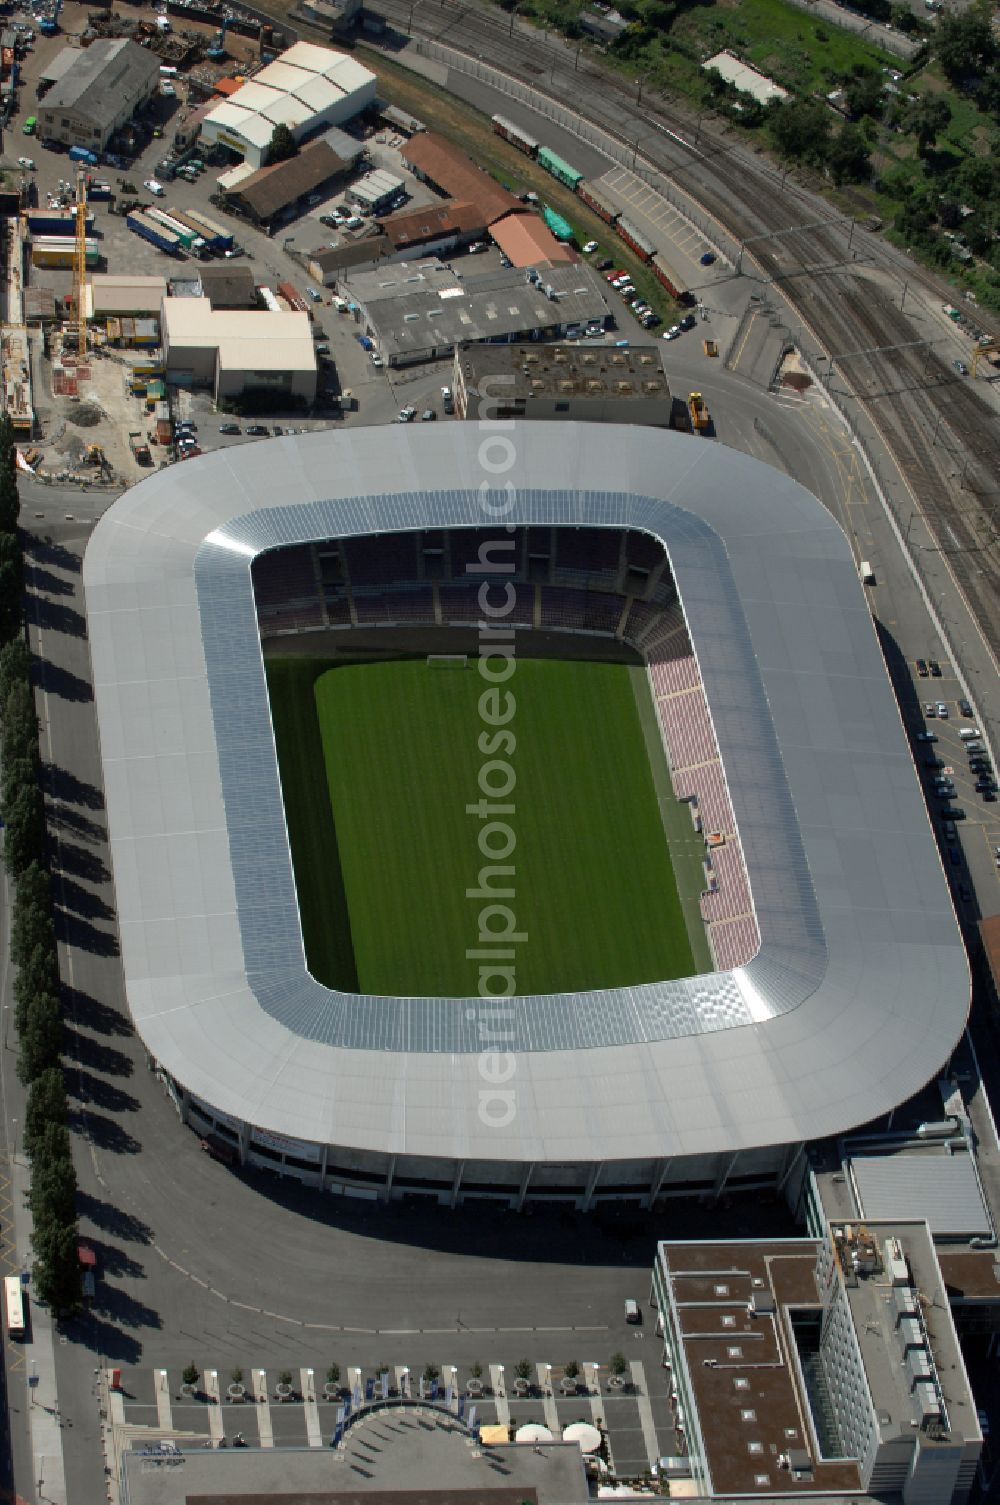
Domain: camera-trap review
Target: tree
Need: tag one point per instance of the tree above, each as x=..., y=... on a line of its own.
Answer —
x=10, y=505
x=11, y=587
x=41, y=1038
x=964, y=43
x=31, y=922
x=282, y=145
x=57, y=1269
x=17, y=774
x=25, y=839
x=20, y=723
x=46, y=1105
x=15, y=664
x=189, y=1375
x=523, y=1369
x=618, y=1363
x=926, y=117
x=431, y=1373
x=864, y=94
x=53, y=1187
x=476, y=1370
x=800, y=128
x=848, y=158
x=571, y=1370
x=333, y=1375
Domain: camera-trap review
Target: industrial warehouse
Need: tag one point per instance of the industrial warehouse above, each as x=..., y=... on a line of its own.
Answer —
x=305, y=89
x=659, y=1089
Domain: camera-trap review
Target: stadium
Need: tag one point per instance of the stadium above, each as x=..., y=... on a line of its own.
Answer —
x=522, y=816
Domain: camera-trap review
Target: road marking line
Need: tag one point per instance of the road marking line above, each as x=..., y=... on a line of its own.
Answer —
x=645, y=1411
x=215, y=1425
x=313, y=1429
x=164, y=1416
x=263, y=1408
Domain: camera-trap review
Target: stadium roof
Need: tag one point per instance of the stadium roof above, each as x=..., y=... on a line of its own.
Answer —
x=860, y=988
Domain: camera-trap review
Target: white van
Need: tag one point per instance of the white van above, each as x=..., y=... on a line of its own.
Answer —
x=969, y=733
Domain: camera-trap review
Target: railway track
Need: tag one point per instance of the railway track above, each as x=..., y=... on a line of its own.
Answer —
x=909, y=394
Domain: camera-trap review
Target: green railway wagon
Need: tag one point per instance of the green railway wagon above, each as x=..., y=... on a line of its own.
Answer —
x=558, y=168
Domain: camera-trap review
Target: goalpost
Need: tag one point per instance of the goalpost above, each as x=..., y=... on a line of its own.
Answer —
x=447, y=660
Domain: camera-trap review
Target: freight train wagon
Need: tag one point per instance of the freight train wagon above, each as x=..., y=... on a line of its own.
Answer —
x=643, y=248
x=664, y=272
x=595, y=198
x=514, y=134
x=558, y=168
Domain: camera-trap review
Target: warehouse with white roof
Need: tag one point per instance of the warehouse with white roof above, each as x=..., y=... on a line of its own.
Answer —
x=308, y=88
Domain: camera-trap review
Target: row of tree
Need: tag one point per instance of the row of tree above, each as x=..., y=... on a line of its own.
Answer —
x=37, y=1010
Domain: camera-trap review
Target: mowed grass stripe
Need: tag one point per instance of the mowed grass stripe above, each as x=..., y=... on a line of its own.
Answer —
x=594, y=886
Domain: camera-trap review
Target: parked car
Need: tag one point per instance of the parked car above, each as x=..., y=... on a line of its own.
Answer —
x=706, y=258
x=933, y=762
x=26, y=162
x=672, y=332
x=922, y=668
x=965, y=708
x=428, y=415
x=929, y=709
x=961, y=368
x=257, y=430
x=604, y=264
x=376, y=359
x=590, y=248
x=934, y=667
x=230, y=428
x=155, y=188
x=921, y=736
x=477, y=247
x=954, y=856
x=406, y=415
x=315, y=294
x=942, y=710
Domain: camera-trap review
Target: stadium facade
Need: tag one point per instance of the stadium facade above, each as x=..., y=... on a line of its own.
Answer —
x=857, y=989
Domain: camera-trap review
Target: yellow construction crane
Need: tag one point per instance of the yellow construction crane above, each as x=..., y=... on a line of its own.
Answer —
x=80, y=263
x=990, y=348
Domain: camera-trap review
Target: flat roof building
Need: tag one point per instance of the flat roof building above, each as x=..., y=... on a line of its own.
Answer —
x=306, y=88
x=599, y=383
x=107, y=83
x=818, y=1366
x=238, y=352
x=421, y=310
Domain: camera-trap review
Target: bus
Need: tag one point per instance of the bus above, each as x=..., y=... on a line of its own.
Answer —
x=13, y=1305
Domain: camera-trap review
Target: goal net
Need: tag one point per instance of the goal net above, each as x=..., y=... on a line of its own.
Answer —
x=447, y=660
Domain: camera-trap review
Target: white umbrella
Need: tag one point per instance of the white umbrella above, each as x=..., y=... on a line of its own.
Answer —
x=587, y=1436
x=533, y=1431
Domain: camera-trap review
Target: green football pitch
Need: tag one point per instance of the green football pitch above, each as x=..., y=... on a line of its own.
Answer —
x=378, y=763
